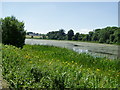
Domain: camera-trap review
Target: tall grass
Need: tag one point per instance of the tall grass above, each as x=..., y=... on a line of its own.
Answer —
x=37, y=66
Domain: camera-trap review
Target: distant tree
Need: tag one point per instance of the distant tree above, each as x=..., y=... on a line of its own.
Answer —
x=44, y=36
x=86, y=38
x=13, y=32
x=70, y=34
x=27, y=33
x=31, y=36
x=101, y=40
x=57, y=35
x=107, y=41
x=112, y=37
x=90, y=35
x=117, y=36
x=97, y=30
x=81, y=36
x=104, y=35
x=75, y=37
x=61, y=34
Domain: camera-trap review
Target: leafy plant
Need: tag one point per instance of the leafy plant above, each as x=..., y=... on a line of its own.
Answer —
x=13, y=32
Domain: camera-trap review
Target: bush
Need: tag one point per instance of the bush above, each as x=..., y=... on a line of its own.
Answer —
x=13, y=32
x=101, y=40
x=31, y=36
x=108, y=41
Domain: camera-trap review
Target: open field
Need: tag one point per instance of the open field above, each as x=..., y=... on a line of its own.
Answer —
x=37, y=66
x=35, y=37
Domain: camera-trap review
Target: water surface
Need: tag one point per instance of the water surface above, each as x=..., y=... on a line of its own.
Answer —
x=94, y=49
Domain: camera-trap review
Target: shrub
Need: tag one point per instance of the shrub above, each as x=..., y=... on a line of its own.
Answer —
x=108, y=41
x=13, y=32
x=101, y=40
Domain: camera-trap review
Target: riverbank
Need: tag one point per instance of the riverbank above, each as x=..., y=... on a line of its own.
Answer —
x=94, y=49
x=96, y=42
x=38, y=66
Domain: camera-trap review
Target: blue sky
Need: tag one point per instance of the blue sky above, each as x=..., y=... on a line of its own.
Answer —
x=82, y=17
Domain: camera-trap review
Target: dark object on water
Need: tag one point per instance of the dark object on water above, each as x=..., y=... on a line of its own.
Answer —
x=76, y=45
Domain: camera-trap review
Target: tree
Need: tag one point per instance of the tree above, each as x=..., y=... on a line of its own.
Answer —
x=112, y=37
x=101, y=40
x=117, y=36
x=90, y=35
x=57, y=35
x=13, y=32
x=70, y=34
x=81, y=36
x=61, y=34
x=75, y=37
x=86, y=38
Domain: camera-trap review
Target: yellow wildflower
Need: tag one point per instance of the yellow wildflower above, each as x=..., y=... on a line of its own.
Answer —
x=50, y=63
x=30, y=61
x=98, y=69
x=27, y=57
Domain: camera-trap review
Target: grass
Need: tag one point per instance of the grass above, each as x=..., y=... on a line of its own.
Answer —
x=34, y=37
x=37, y=66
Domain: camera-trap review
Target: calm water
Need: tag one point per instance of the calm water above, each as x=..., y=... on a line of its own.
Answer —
x=94, y=49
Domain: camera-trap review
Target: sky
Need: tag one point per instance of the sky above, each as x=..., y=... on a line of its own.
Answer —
x=82, y=17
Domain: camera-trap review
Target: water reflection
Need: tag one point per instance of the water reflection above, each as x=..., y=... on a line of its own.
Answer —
x=95, y=54
x=80, y=50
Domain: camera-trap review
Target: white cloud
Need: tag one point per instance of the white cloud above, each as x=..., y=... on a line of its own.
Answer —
x=84, y=31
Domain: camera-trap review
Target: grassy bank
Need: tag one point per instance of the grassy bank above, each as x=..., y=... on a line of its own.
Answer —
x=36, y=37
x=37, y=66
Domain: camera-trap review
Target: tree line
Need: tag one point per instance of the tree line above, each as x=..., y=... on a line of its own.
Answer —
x=107, y=35
x=13, y=33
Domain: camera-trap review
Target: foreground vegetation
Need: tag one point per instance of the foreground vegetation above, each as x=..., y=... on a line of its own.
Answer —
x=37, y=66
x=13, y=32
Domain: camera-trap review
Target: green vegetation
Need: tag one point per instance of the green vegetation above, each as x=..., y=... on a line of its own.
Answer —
x=36, y=66
x=34, y=37
x=13, y=32
x=109, y=35
x=57, y=35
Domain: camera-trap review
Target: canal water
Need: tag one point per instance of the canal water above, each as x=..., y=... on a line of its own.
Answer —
x=94, y=49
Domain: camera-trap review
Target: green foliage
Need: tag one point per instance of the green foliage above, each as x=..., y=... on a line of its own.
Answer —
x=31, y=36
x=90, y=35
x=112, y=37
x=108, y=41
x=53, y=67
x=70, y=34
x=13, y=32
x=109, y=35
x=101, y=40
x=76, y=36
x=58, y=35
